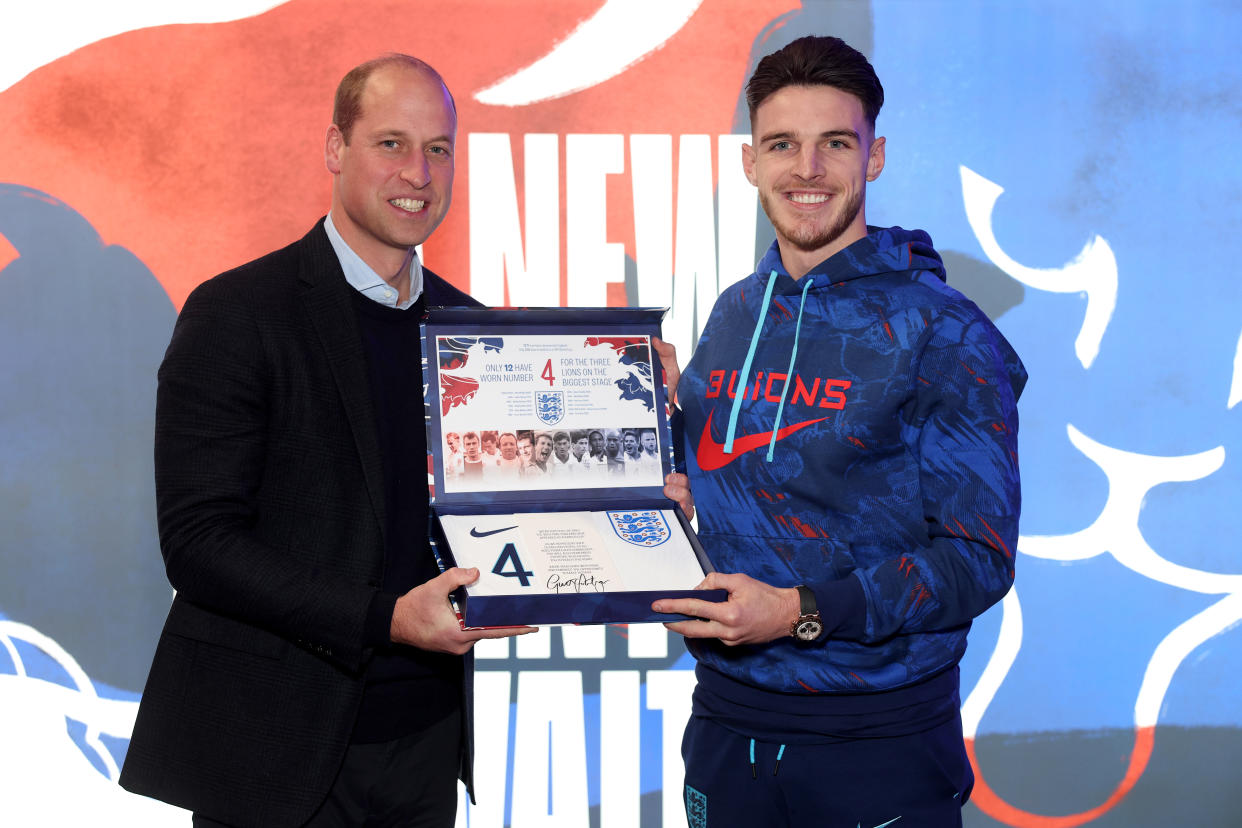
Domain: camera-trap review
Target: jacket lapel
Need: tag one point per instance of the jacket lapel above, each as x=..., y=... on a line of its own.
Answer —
x=331, y=312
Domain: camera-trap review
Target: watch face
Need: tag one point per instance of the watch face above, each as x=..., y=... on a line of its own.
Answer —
x=809, y=630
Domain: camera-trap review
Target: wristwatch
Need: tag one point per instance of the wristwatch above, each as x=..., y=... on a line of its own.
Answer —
x=808, y=625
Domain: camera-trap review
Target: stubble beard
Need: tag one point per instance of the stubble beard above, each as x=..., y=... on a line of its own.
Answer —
x=807, y=238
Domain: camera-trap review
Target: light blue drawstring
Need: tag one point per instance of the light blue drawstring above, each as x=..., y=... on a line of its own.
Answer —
x=743, y=385
x=810, y=280
x=775, y=770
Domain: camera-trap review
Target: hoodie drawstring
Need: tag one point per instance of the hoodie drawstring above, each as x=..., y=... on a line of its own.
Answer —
x=780, y=409
x=743, y=385
x=775, y=770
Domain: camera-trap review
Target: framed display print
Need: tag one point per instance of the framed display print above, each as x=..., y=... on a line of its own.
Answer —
x=550, y=440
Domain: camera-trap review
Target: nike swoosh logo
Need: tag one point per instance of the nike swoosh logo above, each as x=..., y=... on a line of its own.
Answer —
x=882, y=824
x=475, y=533
x=711, y=454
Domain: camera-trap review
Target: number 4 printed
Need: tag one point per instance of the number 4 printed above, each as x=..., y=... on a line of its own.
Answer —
x=547, y=373
x=509, y=555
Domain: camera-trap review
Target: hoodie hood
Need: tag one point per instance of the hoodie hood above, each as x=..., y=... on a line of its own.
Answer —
x=882, y=250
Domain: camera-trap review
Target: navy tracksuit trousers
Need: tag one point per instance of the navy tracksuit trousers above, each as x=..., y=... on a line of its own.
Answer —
x=921, y=780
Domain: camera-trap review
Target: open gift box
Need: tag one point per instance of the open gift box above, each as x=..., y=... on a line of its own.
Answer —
x=550, y=442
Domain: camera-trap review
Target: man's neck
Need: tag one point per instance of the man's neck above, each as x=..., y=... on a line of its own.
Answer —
x=400, y=280
x=392, y=264
x=799, y=262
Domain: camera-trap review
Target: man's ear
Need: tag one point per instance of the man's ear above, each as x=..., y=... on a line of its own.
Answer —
x=748, y=164
x=875, y=161
x=334, y=145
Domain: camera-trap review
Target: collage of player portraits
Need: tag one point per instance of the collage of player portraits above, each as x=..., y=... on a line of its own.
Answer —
x=551, y=458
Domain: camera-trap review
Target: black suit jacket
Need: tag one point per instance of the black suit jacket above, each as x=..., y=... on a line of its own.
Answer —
x=269, y=485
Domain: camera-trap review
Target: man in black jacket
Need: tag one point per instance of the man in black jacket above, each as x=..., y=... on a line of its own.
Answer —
x=311, y=670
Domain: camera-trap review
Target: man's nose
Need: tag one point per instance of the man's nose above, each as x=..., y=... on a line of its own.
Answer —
x=810, y=165
x=417, y=173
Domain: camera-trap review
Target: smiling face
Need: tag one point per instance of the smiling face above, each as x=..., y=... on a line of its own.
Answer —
x=631, y=444
x=812, y=157
x=393, y=178
x=524, y=448
x=508, y=446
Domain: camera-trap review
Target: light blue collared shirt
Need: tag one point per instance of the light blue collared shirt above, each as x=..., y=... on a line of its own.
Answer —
x=365, y=280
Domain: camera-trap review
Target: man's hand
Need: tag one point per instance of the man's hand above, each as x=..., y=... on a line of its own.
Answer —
x=677, y=487
x=424, y=618
x=754, y=614
x=668, y=359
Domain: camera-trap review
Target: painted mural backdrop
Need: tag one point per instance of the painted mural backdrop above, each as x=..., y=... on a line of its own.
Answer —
x=1076, y=163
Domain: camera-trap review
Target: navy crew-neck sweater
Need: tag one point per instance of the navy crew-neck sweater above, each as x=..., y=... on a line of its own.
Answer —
x=407, y=689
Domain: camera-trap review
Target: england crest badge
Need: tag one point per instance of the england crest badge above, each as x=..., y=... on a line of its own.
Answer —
x=642, y=527
x=549, y=406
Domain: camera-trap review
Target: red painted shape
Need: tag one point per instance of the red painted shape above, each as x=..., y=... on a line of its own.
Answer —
x=991, y=803
x=617, y=343
x=455, y=391
x=8, y=253
x=199, y=147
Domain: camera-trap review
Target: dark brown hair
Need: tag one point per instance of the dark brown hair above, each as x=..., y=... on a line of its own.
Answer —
x=817, y=61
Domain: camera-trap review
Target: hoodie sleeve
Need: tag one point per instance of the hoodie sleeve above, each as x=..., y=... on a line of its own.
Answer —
x=962, y=427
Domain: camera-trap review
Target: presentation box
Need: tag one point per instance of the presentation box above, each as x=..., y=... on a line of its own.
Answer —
x=550, y=440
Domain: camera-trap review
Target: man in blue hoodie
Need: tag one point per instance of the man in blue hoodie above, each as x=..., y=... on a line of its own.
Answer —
x=850, y=432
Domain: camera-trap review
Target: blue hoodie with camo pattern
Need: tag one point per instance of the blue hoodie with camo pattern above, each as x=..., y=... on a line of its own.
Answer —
x=870, y=454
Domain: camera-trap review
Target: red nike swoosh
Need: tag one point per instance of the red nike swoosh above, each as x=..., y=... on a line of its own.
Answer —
x=711, y=454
